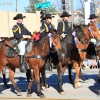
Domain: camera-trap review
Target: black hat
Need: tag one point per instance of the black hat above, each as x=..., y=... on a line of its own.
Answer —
x=92, y=16
x=65, y=14
x=18, y=16
x=47, y=16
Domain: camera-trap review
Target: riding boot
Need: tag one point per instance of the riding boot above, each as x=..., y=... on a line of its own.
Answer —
x=22, y=64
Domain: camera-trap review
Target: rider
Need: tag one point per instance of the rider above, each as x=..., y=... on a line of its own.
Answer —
x=46, y=25
x=20, y=32
x=93, y=18
x=91, y=48
x=64, y=27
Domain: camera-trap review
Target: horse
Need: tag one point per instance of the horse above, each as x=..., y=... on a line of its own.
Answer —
x=62, y=58
x=35, y=59
x=77, y=58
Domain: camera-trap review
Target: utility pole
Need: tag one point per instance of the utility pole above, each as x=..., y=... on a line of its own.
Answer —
x=16, y=5
x=8, y=20
x=67, y=5
x=72, y=12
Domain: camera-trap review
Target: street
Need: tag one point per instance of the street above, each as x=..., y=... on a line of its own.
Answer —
x=89, y=90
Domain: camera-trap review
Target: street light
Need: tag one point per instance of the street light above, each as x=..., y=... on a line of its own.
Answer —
x=42, y=14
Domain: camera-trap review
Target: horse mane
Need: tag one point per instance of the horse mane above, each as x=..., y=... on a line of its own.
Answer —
x=68, y=39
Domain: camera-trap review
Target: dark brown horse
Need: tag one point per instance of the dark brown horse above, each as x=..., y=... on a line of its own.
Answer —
x=62, y=58
x=35, y=60
x=77, y=58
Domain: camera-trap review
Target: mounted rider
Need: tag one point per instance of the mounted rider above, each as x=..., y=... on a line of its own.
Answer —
x=91, y=48
x=20, y=32
x=47, y=26
x=64, y=27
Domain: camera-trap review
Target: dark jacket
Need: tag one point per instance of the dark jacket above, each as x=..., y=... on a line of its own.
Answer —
x=64, y=27
x=19, y=30
x=46, y=27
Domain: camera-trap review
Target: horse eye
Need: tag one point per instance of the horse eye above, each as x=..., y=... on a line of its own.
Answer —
x=95, y=30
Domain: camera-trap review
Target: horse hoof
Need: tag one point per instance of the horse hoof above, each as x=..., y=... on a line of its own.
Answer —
x=44, y=89
x=30, y=91
x=47, y=86
x=29, y=95
x=40, y=94
x=62, y=93
x=19, y=94
x=77, y=86
x=84, y=81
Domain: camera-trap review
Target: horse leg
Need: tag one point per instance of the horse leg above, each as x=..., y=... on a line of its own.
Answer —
x=4, y=77
x=45, y=85
x=28, y=75
x=60, y=75
x=11, y=76
x=30, y=84
x=76, y=82
x=70, y=73
x=29, y=78
x=36, y=76
x=81, y=76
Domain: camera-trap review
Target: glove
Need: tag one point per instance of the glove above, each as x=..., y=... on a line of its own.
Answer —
x=62, y=35
x=26, y=36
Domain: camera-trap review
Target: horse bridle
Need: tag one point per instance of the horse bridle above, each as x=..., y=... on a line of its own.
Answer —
x=90, y=29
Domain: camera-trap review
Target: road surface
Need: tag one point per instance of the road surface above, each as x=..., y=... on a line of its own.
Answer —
x=89, y=90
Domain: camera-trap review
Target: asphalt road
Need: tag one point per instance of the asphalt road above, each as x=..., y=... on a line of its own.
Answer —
x=89, y=90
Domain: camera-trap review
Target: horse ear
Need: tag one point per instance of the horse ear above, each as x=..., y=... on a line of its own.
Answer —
x=74, y=26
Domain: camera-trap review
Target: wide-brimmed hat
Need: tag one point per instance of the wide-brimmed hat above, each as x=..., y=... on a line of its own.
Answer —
x=47, y=16
x=18, y=16
x=92, y=16
x=65, y=14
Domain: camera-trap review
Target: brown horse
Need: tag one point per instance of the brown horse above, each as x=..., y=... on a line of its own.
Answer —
x=35, y=59
x=77, y=58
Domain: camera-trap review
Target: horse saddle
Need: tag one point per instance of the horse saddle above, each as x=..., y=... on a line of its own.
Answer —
x=13, y=49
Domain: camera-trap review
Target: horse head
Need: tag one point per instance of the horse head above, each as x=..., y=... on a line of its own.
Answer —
x=80, y=34
x=93, y=30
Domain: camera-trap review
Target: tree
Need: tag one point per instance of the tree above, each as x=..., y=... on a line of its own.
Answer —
x=31, y=7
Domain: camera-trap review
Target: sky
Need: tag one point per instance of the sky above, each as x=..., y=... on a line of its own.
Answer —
x=10, y=5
